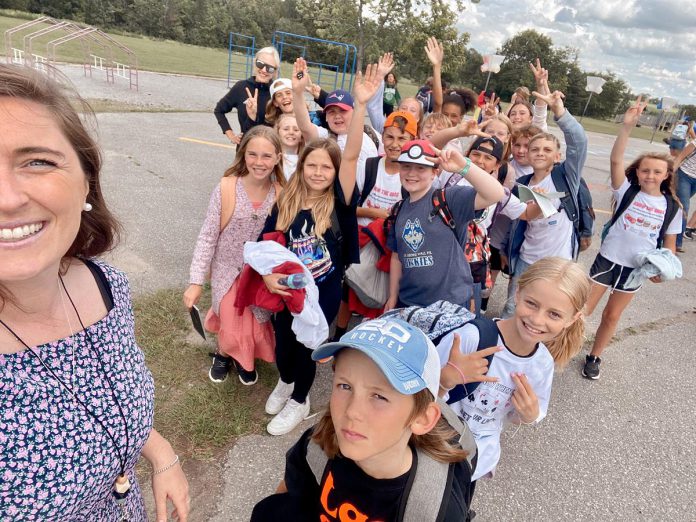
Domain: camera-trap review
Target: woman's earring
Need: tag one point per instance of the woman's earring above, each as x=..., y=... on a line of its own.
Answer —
x=87, y=207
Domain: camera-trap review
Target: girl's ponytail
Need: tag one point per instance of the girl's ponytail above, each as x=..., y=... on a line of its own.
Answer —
x=568, y=344
x=570, y=279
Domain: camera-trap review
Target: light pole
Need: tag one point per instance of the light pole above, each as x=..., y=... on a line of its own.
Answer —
x=491, y=63
x=594, y=86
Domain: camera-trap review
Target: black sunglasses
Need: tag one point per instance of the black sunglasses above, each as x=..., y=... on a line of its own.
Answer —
x=270, y=69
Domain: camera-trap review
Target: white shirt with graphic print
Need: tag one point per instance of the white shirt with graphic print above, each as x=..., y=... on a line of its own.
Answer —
x=637, y=229
x=551, y=236
x=488, y=408
x=385, y=193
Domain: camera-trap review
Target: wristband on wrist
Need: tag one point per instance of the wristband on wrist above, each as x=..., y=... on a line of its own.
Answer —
x=461, y=373
x=463, y=173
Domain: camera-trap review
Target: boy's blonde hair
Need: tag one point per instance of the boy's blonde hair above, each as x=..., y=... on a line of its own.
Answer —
x=569, y=278
x=296, y=195
x=438, y=443
x=436, y=118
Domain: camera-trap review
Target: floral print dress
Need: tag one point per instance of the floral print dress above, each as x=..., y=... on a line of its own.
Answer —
x=56, y=461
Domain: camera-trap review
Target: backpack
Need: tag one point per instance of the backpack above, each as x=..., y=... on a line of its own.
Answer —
x=439, y=319
x=680, y=131
x=419, y=503
x=228, y=198
x=577, y=207
x=626, y=201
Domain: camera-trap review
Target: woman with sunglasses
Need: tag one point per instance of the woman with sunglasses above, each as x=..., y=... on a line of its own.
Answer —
x=247, y=95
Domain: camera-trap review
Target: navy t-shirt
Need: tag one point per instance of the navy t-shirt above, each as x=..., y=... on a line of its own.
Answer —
x=432, y=255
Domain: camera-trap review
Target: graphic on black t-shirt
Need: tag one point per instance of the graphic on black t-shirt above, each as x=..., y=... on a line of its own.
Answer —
x=311, y=250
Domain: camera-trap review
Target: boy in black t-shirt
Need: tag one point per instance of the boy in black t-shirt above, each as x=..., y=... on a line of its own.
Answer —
x=382, y=449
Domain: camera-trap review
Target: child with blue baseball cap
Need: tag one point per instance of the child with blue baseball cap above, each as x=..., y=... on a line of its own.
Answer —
x=381, y=451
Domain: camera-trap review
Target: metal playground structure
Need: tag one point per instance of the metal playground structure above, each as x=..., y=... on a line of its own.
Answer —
x=42, y=38
x=332, y=63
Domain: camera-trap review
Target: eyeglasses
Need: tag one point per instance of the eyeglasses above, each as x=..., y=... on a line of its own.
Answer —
x=270, y=69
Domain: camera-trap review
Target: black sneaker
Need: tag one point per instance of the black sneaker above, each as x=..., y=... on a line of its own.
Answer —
x=689, y=232
x=591, y=368
x=220, y=368
x=247, y=378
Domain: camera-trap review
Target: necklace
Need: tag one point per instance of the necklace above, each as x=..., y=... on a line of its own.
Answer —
x=122, y=485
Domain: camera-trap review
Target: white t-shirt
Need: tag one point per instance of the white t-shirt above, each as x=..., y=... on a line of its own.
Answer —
x=384, y=194
x=637, y=229
x=367, y=150
x=551, y=236
x=521, y=170
x=490, y=405
x=513, y=209
x=289, y=164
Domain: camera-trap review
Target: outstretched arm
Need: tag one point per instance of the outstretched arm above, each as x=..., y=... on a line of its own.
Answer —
x=488, y=190
x=541, y=78
x=300, y=82
x=575, y=138
x=375, y=107
x=436, y=53
x=616, y=159
x=365, y=86
x=464, y=129
x=685, y=153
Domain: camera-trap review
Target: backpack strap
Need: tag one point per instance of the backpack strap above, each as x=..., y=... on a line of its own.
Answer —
x=430, y=477
x=336, y=227
x=488, y=336
x=371, y=169
x=670, y=212
x=628, y=197
x=440, y=208
x=390, y=222
x=316, y=459
x=569, y=201
x=228, y=199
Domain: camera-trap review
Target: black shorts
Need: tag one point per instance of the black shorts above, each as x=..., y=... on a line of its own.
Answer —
x=610, y=274
x=496, y=262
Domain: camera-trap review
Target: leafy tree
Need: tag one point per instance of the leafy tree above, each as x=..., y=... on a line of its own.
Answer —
x=689, y=110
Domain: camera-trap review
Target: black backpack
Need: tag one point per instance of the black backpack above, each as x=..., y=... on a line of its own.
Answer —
x=626, y=201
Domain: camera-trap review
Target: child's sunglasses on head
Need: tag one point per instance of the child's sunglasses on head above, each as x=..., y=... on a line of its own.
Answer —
x=270, y=69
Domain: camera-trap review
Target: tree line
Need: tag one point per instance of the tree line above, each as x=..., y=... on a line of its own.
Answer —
x=374, y=26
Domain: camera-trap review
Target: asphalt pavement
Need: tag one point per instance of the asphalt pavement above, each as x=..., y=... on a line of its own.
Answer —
x=621, y=448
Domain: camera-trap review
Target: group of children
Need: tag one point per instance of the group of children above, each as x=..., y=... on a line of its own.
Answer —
x=312, y=188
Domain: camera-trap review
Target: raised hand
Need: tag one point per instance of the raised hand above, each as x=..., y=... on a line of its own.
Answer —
x=554, y=100
x=252, y=103
x=524, y=399
x=470, y=128
x=314, y=90
x=541, y=75
x=366, y=85
x=450, y=160
x=491, y=108
x=385, y=64
x=632, y=114
x=300, y=76
x=434, y=51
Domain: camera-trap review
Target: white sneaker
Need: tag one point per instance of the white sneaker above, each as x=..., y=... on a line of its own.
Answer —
x=278, y=397
x=289, y=417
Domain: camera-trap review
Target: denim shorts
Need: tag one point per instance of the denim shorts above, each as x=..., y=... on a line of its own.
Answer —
x=675, y=144
x=610, y=274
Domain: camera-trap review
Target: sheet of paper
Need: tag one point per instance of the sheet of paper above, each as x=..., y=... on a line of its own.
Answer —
x=543, y=200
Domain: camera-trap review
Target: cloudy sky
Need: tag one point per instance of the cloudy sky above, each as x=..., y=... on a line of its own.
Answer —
x=650, y=44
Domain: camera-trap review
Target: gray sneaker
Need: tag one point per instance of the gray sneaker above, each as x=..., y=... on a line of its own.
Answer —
x=591, y=368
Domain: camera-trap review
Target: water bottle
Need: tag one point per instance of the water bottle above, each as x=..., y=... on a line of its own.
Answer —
x=294, y=281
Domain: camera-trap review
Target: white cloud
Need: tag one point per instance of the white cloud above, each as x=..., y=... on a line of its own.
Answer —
x=650, y=44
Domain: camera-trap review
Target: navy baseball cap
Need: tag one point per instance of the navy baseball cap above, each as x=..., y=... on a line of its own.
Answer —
x=407, y=358
x=339, y=98
x=492, y=146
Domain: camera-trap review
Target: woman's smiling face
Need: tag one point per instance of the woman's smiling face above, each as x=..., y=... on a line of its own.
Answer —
x=42, y=190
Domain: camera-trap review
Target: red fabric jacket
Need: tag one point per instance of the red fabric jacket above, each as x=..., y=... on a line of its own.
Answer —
x=252, y=290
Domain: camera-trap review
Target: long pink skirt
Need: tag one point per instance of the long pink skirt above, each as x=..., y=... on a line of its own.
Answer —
x=241, y=336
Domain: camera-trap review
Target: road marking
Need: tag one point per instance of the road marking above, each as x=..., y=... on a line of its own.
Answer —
x=211, y=143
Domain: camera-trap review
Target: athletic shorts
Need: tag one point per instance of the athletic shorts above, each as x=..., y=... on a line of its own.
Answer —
x=610, y=274
x=496, y=262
